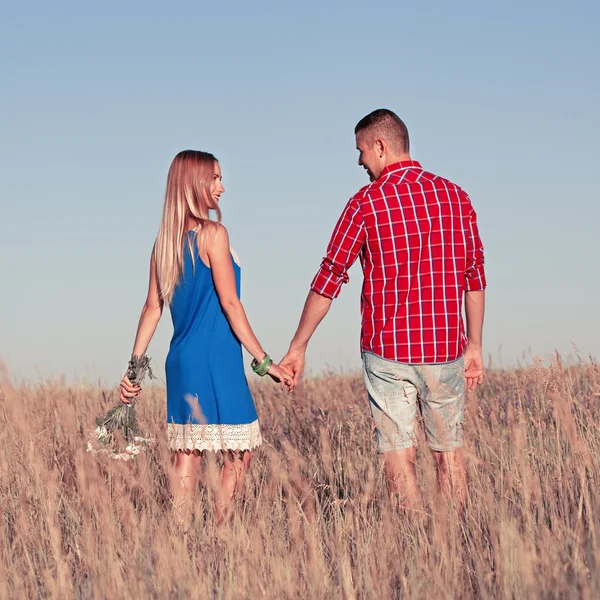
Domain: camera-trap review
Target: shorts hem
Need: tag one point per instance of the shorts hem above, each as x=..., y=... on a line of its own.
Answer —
x=404, y=446
x=446, y=448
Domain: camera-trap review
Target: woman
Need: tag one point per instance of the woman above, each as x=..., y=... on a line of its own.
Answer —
x=194, y=271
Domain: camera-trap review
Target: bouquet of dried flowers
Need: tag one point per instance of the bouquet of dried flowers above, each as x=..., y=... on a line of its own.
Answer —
x=122, y=416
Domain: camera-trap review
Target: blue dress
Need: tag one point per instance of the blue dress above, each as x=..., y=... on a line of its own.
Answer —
x=209, y=406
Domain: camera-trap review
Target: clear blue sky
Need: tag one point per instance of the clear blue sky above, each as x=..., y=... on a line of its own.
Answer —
x=502, y=98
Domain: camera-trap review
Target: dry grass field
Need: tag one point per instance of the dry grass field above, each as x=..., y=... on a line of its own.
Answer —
x=315, y=521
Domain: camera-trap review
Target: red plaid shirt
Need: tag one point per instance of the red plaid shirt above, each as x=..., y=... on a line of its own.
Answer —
x=417, y=237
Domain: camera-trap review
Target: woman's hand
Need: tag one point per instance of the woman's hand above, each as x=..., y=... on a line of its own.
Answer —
x=128, y=390
x=282, y=375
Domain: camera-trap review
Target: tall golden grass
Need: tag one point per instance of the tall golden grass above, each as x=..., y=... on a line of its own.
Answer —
x=315, y=521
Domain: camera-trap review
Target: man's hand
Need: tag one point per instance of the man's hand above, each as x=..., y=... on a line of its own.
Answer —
x=294, y=361
x=473, y=368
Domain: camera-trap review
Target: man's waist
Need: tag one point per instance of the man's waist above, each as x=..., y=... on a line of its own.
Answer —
x=414, y=363
x=418, y=348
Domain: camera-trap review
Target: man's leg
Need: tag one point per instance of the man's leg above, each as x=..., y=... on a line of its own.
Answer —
x=401, y=478
x=393, y=401
x=443, y=408
x=452, y=475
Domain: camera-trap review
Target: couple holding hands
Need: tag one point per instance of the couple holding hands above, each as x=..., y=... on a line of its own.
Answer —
x=422, y=259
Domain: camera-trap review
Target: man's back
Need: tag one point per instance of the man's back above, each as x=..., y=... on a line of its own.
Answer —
x=417, y=237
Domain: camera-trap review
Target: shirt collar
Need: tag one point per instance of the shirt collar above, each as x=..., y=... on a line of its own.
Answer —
x=403, y=164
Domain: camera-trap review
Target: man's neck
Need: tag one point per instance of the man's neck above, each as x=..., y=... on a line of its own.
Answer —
x=396, y=158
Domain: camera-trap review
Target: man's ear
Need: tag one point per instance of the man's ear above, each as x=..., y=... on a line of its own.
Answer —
x=380, y=148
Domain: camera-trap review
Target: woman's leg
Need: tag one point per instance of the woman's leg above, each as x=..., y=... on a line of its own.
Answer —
x=234, y=469
x=184, y=475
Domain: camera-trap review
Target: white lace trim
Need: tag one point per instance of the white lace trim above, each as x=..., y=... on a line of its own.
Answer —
x=236, y=258
x=213, y=437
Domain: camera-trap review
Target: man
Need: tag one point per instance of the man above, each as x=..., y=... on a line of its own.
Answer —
x=417, y=238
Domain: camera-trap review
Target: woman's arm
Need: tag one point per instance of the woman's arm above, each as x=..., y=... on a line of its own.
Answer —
x=219, y=257
x=151, y=313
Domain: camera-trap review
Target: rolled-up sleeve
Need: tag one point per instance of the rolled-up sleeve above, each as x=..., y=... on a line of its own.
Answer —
x=475, y=272
x=344, y=247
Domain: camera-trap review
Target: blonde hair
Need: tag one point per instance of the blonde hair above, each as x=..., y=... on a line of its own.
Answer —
x=187, y=198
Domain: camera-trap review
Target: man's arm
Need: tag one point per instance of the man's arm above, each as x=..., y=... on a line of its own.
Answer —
x=345, y=244
x=474, y=309
x=475, y=284
x=315, y=309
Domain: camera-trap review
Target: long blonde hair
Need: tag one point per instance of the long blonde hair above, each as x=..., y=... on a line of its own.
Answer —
x=187, y=198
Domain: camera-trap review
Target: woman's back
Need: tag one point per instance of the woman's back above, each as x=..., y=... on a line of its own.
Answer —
x=195, y=308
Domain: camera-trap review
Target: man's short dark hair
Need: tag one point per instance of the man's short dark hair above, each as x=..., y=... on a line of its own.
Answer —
x=388, y=125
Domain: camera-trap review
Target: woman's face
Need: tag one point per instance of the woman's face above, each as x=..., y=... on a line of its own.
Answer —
x=216, y=188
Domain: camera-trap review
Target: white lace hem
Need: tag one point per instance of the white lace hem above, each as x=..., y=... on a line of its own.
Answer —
x=193, y=436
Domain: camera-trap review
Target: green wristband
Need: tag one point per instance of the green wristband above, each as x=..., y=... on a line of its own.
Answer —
x=262, y=368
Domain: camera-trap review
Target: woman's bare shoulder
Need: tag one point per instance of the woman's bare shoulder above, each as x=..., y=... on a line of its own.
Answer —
x=216, y=236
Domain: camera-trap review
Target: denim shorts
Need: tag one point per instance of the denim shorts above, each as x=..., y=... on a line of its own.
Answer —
x=396, y=390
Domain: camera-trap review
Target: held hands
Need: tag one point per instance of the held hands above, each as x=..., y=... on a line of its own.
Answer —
x=276, y=372
x=473, y=368
x=294, y=362
x=282, y=375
